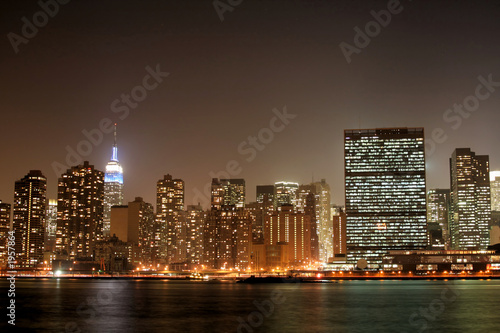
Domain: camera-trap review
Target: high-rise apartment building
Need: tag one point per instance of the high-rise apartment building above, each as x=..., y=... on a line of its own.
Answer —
x=4, y=229
x=323, y=219
x=169, y=208
x=385, y=192
x=470, y=200
x=227, y=234
x=438, y=204
x=29, y=218
x=195, y=223
x=148, y=246
x=227, y=238
x=80, y=202
x=113, y=185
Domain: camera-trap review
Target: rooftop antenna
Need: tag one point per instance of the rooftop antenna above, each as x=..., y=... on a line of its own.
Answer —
x=114, y=157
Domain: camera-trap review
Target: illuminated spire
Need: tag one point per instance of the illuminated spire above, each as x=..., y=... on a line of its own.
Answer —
x=114, y=171
x=114, y=156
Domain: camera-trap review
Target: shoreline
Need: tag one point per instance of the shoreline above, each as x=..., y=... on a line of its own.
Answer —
x=229, y=279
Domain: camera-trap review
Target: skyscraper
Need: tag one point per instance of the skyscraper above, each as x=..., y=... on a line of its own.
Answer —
x=227, y=233
x=217, y=195
x=29, y=218
x=265, y=193
x=470, y=200
x=438, y=203
x=307, y=202
x=51, y=226
x=113, y=185
x=495, y=190
x=285, y=193
x=4, y=229
x=148, y=246
x=195, y=222
x=169, y=207
x=80, y=202
x=385, y=192
x=323, y=218
x=234, y=192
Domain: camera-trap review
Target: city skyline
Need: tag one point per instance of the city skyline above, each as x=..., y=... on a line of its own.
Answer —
x=206, y=204
x=250, y=166
x=193, y=121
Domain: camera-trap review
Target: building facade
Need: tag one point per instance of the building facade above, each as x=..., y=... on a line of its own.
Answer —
x=438, y=204
x=234, y=192
x=470, y=200
x=29, y=218
x=385, y=192
x=293, y=229
x=227, y=237
x=80, y=204
x=227, y=232
x=339, y=236
x=264, y=193
x=195, y=223
x=169, y=208
x=285, y=193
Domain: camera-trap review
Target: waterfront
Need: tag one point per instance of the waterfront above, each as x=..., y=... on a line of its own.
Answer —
x=75, y=305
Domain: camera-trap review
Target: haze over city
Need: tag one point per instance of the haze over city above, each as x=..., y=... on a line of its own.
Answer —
x=226, y=77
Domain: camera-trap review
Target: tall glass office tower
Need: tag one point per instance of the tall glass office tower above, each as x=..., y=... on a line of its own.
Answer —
x=285, y=193
x=470, y=200
x=385, y=192
x=113, y=186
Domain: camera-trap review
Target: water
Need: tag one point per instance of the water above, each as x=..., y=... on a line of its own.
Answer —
x=196, y=306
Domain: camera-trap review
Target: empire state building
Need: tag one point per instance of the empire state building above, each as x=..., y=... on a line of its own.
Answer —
x=113, y=186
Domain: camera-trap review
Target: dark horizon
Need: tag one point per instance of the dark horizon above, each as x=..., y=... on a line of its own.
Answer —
x=225, y=78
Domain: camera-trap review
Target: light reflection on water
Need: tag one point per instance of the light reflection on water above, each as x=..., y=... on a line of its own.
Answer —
x=184, y=306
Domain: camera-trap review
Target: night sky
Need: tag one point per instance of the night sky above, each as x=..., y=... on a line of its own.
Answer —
x=226, y=77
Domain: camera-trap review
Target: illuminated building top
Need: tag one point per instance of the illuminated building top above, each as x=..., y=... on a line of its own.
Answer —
x=114, y=171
